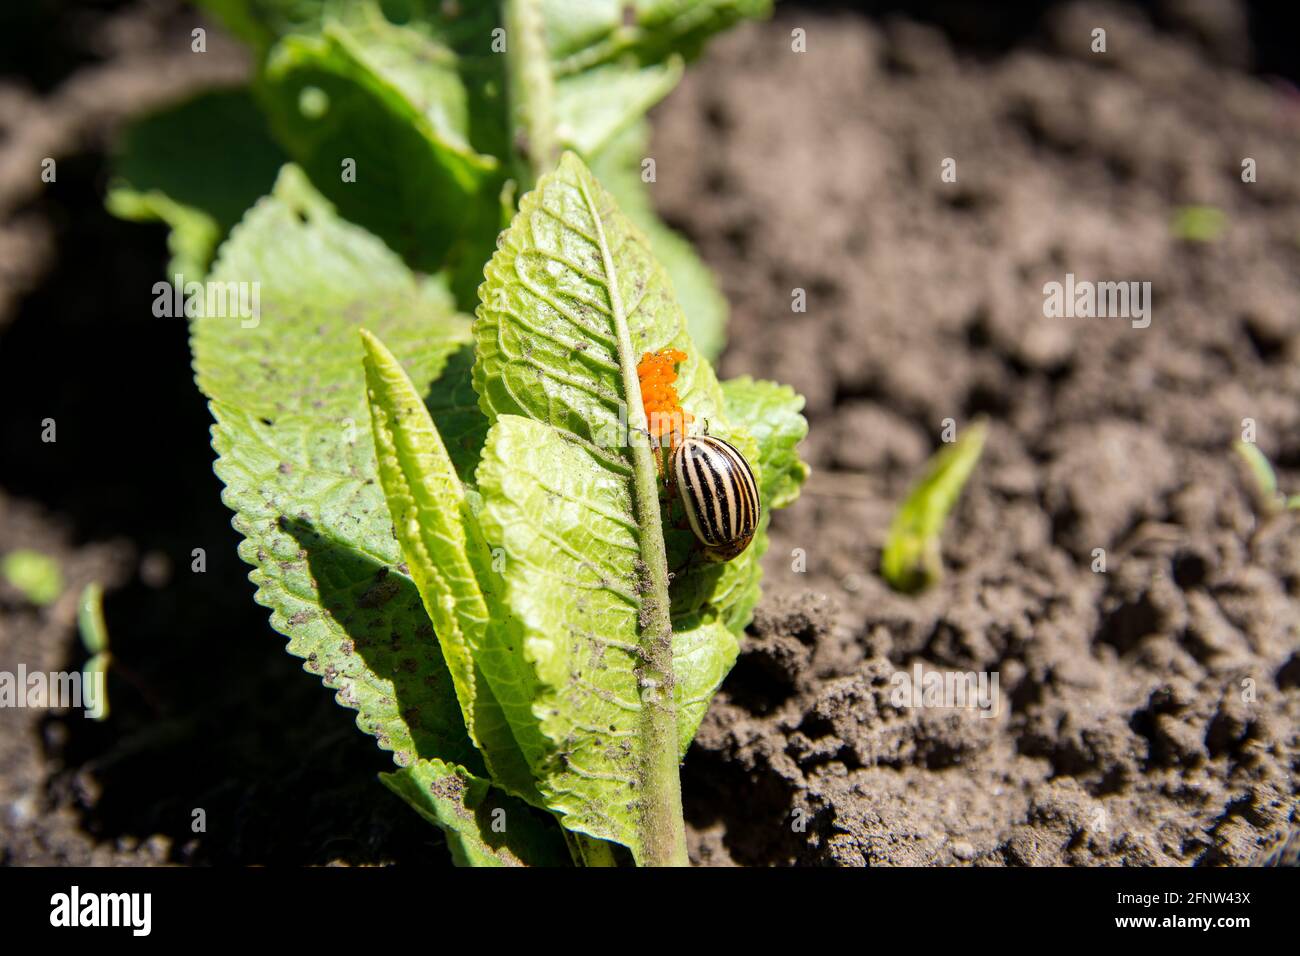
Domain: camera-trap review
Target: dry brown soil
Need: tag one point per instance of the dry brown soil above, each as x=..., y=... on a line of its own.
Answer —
x=1149, y=714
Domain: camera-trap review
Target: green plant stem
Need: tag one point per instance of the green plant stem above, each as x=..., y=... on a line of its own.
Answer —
x=531, y=92
x=663, y=829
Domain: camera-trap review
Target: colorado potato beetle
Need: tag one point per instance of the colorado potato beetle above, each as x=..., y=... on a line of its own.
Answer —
x=719, y=492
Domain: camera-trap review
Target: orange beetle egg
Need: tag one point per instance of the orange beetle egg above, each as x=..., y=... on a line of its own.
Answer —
x=657, y=373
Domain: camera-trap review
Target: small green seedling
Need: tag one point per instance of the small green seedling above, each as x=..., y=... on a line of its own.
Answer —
x=912, y=560
x=36, y=575
x=1271, y=500
x=1198, y=223
x=94, y=637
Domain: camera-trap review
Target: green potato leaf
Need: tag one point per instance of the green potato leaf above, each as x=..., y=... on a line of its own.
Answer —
x=288, y=395
x=379, y=119
x=771, y=412
x=582, y=34
x=571, y=546
x=594, y=106
x=445, y=554
x=703, y=655
x=570, y=541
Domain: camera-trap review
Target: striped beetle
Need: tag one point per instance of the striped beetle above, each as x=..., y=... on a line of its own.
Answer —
x=718, y=489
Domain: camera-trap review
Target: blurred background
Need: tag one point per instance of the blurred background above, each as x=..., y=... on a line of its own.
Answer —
x=817, y=171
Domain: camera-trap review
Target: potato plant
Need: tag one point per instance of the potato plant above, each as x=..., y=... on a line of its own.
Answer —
x=461, y=523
